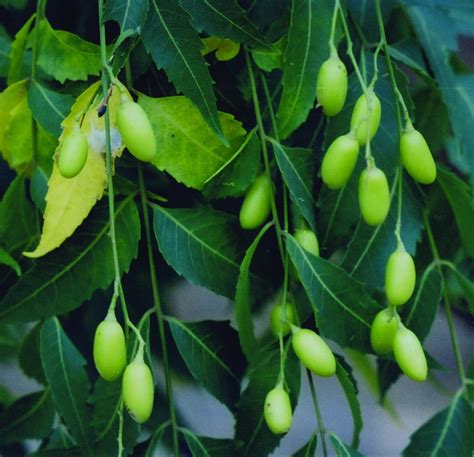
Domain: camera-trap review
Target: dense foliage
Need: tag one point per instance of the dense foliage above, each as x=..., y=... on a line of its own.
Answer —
x=310, y=160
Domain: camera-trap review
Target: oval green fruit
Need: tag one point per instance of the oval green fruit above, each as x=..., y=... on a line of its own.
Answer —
x=400, y=277
x=382, y=331
x=227, y=50
x=331, y=86
x=360, y=116
x=307, y=240
x=110, y=353
x=276, y=318
x=138, y=390
x=409, y=354
x=73, y=154
x=136, y=131
x=277, y=411
x=416, y=156
x=313, y=352
x=339, y=161
x=256, y=206
x=374, y=196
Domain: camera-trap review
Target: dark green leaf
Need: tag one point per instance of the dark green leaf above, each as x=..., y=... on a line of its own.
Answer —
x=64, y=279
x=175, y=46
x=202, y=446
x=342, y=307
x=409, y=53
x=364, y=14
x=467, y=286
x=74, y=452
x=223, y=18
x=30, y=357
x=28, y=417
x=202, y=245
x=67, y=377
x=306, y=50
x=342, y=449
x=49, y=108
x=244, y=301
x=5, y=46
x=349, y=386
x=297, y=167
x=458, y=194
x=212, y=354
x=309, y=449
x=251, y=428
x=370, y=248
x=450, y=432
x=236, y=175
x=9, y=261
x=130, y=15
x=17, y=51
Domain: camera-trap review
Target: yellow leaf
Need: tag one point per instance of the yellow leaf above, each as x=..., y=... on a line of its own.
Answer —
x=20, y=136
x=69, y=200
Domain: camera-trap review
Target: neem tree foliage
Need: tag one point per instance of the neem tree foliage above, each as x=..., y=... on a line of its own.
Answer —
x=273, y=151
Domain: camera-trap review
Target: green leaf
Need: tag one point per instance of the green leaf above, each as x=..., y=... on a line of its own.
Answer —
x=449, y=432
x=107, y=401
x=175, y=46
x=297, y=167
x=438, y=35
x=342, y=449
x=64, y=279
x=30, y=357
x=17, y=51
x=458, y=194
x=224, y=18
x=67, y=377
x=251, y=428
x=349, y=386
x=49, y=108
x=309, y=449
x=73, y=452
x=409, y=53
x=202, y=446
x=18, y=229
x=305, y=52
x=269, y=59
x=201, y=244
x=234, y=177
x=467, y=286
x=368, y=252
x=244, y=300
x=342, y=307
x=28, y=417
x=130, y=15
x=64, y=55
x=9, y=261
x=212, y=354
x=189, y=150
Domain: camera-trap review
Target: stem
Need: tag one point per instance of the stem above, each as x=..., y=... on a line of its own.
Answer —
x=120, y=430
x=332, y=46
x=263, y=143
x=447, y=304
x=319, y=416
x=159, y=310
x=40, y=8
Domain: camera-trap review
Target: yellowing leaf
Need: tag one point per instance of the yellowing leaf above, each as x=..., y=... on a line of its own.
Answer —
x=187, y=147
x=20, y=136
x=11, y=97
x=69, y=200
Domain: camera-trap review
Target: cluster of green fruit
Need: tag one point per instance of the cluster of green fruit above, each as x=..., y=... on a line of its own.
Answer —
x=110, y=358
x=135, y=130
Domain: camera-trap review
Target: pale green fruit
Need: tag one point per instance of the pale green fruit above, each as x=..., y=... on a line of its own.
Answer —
x=400, y=277
x=374, y=196
x=73, y=154
x=256, y=206
x=416, y=157
x=307, y=240
x=409, y=354
x=360, y=116
x=382, y=331
x=277, y=411
x=331, y=86
x=276, y=318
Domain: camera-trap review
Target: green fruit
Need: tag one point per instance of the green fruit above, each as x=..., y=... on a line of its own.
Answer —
x=136, y=131
x=331, y=86
x=409, y=354
x=110, y=354
x=400, y=277
x=374, y=196
x=307, y=240
x=138, y=390
x=313, y=352
x=416, y=156
x=256, y=206
x=73, y=154
x=339, y=161
x=277, y=411
x=360, y=116
x=227, y=50
x=382, y=331
x=276, y=318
